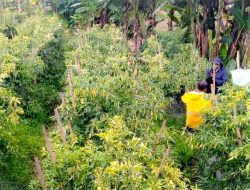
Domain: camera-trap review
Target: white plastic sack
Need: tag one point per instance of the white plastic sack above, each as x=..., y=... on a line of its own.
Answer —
x=241, y=77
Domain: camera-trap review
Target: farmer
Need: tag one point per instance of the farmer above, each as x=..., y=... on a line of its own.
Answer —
x=220, y=75
x=195, y=105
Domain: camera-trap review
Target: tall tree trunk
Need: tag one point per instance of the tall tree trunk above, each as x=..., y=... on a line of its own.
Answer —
x=204, y=45
x=246, y=49
x=198, y=33
x=103, y=17
x=216, y=47
x=126, y=17
x=193, y=28
x=233, y=46
x=204, y=34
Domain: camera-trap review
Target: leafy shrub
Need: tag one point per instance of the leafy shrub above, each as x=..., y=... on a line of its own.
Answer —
x=182, y=71
x=18, y=144
x=36, y=79
x=172, y=41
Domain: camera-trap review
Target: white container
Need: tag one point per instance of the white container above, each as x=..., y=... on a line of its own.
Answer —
x=241, y=77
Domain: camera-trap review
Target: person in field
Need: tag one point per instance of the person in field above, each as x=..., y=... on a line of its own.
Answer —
x=220, y=76
x=195, y=105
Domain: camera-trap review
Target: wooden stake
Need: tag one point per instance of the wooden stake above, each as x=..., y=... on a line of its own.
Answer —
x=213, y=86
x=60, y=126
x=159, y=135
x=168, y=151
x=239, y=138
x=213, y=96
x=71, y=90
x=49, y=146
x=70, y=128
x=77, y=63
x=238, y=59
x=39, y=173
x=214, y=77
x=62, y=99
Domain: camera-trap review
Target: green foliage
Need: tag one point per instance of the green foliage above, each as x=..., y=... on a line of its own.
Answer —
x=36, y=79
x=243, y=21
x=172, y=41
x=119, y=107
x=9, y=103
x=116, y=105
x=18, y=144
x=45, y=92
x=29, y=86
x=184, y=68
x=121, y=161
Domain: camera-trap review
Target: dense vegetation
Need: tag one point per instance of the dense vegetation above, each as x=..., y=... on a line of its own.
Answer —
x=119, y=104
x=30, y=84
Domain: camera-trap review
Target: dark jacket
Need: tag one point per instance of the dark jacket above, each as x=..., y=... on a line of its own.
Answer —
x=220, y=77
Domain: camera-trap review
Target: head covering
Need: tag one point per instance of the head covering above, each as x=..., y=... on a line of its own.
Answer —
x=216, y=60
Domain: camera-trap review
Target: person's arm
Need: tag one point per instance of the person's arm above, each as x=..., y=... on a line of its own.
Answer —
x=223, y=78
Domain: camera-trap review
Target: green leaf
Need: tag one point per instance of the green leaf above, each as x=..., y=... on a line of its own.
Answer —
x=82, y=9
x=223, y=51
x=210, y=40
x=237, y=15
x=214, y=41
x=241, y=20
x=76, y=4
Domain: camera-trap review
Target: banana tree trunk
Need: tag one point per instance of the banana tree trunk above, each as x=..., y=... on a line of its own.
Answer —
x=216, y=47
x=126, y=17
x=193, y=28
x=204, y=33
x=246, y=49
x=136, y=33
x=103, y=17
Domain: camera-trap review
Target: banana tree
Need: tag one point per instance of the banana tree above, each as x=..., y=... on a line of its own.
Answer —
x=127, y=7
x=240, y=30
x=85, y=12
x=91, y=11
x=144, y=11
